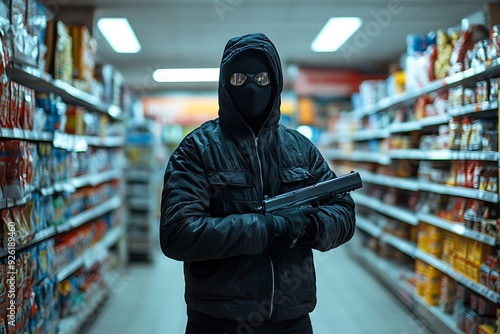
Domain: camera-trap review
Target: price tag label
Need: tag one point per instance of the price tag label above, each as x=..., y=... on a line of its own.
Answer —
x=18, y=133
x=89, y=260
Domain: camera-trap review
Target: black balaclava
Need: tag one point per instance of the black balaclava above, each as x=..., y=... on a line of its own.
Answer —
x=250, y=99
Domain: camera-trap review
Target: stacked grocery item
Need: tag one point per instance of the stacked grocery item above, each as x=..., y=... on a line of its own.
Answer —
x=427, y=151
x=60, y=168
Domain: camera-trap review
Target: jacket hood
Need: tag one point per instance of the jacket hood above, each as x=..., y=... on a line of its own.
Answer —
x=228, y=115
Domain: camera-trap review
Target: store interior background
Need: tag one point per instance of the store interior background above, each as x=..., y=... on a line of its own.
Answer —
x=386, y=104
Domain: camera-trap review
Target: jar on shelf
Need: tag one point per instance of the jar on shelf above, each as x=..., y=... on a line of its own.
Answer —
x=455, y=133
x=494, y=89
x=495, y=42
x=480, y=53
x=466, y=131
x=482, y=91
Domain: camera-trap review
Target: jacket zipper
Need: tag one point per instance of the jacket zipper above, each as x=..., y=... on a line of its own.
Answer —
x=271, y=309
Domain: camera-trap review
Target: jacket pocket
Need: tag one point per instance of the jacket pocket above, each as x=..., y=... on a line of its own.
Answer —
x=235, y=179
x=230, y=191
x=294, y=177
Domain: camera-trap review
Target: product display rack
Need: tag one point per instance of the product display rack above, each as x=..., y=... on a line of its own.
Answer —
x=114, y=238
x=341, y=150
x=141, y=181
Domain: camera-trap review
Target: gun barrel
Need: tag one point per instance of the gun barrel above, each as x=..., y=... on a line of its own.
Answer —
x=318, y=191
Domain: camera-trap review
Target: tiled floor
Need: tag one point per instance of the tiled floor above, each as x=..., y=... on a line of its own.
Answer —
x=350, y=301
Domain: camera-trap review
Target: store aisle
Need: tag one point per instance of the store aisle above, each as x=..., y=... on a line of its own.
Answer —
x=150, y=300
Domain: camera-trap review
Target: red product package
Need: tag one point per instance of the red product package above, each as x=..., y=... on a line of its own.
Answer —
x=472, y=173
x=26, y=110
x=478, y=167
x=14, y=182
x=459, y=50
x=21, y=106
x=3, y=170
x=461, y=174
x=459, y=209
x=29, y=108
x=4, y=86
x=3, y=290
x=7, y=223
x=431, y=51
x=14, y=106
x=466, y=42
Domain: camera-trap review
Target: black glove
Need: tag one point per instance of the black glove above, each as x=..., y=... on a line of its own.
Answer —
x=293, y=223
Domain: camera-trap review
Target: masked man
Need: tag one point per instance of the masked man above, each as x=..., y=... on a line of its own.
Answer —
x=247, y=271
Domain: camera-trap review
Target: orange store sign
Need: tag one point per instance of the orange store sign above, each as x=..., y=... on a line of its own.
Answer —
x=329, y=82
x=183, y=110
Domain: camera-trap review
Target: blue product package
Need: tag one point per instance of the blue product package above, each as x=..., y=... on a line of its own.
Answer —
x=415, y=44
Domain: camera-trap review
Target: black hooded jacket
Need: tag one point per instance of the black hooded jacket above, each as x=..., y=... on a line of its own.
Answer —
x=211, y=209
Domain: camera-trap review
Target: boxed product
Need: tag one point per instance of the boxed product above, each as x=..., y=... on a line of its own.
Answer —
x=485, y=329
x=59, y=57
x=447, y=295
x=75, y=120
x=471, y=322
x=84, y=50
x=459, y=315
x=23, y=45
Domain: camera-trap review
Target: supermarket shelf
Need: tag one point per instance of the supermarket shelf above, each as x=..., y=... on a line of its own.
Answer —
x=90, y=214
x=376, y=157
x=82, y=181
x=404, y=127
x=458, y=191
x=74, y=222
x=105, y=142
x=42, y=82
x=476, y=108
x=375, y=231
x=63, y=140
x=365, y=225
x=97, y=179
x=95, y=254
x=484, y=109
x=39, y=236
x=390, y=181
x=26, y=134
x=457, y=228
x=417, y=154
x=369, y=134
x=70, y=185
x=448, y=270
x=73, y=325
x=403, y=245
x=6, y=203
x=140, y=203
x=410, y=154
x=433, y=120
x=416, y=185
x=340, y=136
x=435, y=317
x=138, y=175
x=385, y=209
x=390, y=275
x=409, y=97
x=391, y=272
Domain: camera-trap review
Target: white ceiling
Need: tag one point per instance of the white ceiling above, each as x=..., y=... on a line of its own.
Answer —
x=193, y=33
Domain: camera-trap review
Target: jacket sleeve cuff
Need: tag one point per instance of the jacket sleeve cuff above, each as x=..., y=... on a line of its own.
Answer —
x=271, y=227
x=311, y=232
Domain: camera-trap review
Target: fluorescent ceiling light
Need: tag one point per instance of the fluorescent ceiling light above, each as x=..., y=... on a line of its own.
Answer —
x=335, y=33
x=186, y=75
x=119, y=35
